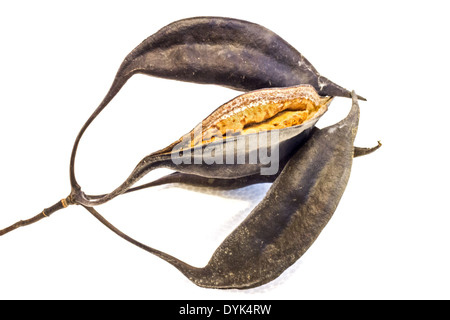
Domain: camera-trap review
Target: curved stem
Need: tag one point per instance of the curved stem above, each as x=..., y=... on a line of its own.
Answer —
x=148, y=164
x=180, y=265
x=118, y=83
x=64, y=203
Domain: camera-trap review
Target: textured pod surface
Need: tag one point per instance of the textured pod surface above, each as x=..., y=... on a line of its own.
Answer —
x=224, y=51
x=252, y=117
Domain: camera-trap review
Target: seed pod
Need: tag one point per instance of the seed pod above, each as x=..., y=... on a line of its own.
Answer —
x=243, y=56
x=224, y=51
x=221, y=145
x=287, y=221
x=299, y=203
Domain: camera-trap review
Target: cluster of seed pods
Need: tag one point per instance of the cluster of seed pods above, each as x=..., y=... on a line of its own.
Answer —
x=285, y=96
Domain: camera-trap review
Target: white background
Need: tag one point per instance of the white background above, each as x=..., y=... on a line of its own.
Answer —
x=388, y=239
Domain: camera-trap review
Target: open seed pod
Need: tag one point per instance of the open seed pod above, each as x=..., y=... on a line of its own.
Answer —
x=248, y=135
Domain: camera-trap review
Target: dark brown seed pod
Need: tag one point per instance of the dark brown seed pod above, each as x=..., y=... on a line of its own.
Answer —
x=233, y=53
x=215, y=146
x=243, y=56
x=300, y=203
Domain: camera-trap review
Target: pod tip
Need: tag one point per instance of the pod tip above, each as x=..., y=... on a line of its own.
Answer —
x=329, y=88
x=361, y=98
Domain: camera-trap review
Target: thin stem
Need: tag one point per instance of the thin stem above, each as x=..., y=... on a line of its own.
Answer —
x=180, y=265
x=149, y=163
x=200, y=181
x=118, y=83
x=44, y=214
x=358, y=151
